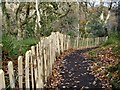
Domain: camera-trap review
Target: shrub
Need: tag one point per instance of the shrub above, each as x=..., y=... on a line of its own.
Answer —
x=113, y=39
x=13, y=47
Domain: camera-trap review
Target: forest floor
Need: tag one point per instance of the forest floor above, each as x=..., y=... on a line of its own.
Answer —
x=76, y=69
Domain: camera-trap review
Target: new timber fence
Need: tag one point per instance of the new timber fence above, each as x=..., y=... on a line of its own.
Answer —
x=34, y=68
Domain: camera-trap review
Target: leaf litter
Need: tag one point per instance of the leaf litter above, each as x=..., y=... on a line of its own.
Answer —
x=73, y=69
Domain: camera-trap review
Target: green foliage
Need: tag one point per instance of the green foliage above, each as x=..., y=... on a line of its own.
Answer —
x=55, y=5
x=14, y=47
x=96, y=28
x=46, y=32
x=30, y=29
x=46, y=26
x=113, y=69
x=71, y=34
x=113, y=39
x=117, y=49
x=7, y=42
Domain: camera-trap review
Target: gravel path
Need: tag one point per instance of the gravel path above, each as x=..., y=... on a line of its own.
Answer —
x=76, y=73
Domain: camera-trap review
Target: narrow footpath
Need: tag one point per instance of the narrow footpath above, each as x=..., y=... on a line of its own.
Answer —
x=76, y=73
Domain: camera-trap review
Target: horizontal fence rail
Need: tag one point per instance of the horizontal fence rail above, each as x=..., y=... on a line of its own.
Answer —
x=34, y=68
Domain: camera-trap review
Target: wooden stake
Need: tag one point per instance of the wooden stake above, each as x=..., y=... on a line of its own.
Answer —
x=41, y=66
x=35, y=64
x=45, y=67
x=50, y=53
x=2, y=80
x=20, y=71
x=11, y=74
x=58, y=44
x=31, y=66
x=27, y=83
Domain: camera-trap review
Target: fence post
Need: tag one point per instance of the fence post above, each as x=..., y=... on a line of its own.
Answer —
x=44, y=60
x=20, y=71
x=41, y=59
x=81, y=43
x=53, y=48
x=35, y=64
x=65, y=42
x=39, y=81
x=58, y=43
x=37, y=67
x=2, y=80
x=62, y=43
x=47, y=56
x=77, y=42
x=50, y=53
x=87, y=42
x=11, y=74
x=74, y=43
x=68, y=42
x=97, y=41
x=31, y=67
x=41, y=65
x=93, y=43
x=27, y=83
x=90, y=42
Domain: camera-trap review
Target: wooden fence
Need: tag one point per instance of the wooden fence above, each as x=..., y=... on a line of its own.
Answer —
x=36, y=65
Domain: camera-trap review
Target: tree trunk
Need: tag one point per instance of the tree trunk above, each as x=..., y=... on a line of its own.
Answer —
x=7, y=18
x=38, y=14
x=37, y=25
x=19, y=33
x=19, y=28
x=108, y=16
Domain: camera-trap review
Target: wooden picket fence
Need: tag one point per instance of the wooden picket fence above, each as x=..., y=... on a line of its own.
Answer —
x=39, y=60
